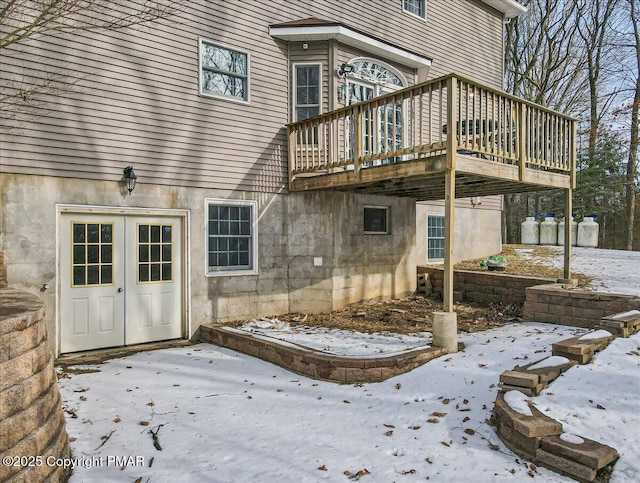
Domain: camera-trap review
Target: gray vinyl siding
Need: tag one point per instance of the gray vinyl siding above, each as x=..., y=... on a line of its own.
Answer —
x=136, y=100
x=317, y=52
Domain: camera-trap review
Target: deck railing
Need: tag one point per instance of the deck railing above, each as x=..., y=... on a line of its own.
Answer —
x=413, y=123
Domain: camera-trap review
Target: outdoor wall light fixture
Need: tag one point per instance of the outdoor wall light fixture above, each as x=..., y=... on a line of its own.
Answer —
x=345, y=69
x=130, y=178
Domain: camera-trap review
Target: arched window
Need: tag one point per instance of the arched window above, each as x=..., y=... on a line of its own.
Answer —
x=371, y=78
x=384, y=76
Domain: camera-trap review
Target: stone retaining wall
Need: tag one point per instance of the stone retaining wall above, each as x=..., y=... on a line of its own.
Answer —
x=318, y=365
x=31, y=418
x=484, y=287
x=555, y=304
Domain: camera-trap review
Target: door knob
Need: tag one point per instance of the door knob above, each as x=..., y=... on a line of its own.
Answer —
x=120, y=290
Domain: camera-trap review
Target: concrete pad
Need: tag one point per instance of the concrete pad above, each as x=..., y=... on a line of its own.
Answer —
x=590, y=453
x=564, y=466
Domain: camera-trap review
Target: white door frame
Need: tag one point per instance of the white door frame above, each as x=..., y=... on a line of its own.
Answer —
x=185, y=217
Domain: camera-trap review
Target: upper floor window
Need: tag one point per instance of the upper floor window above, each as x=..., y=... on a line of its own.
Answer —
x=224, y=72
x=415, y=7
x=307, y=90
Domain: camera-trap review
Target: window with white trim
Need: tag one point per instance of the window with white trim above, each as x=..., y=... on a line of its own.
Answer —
x=231, y=237
x=224, y=72
x=435, y=238
x=376, y=220
x=307, y=90
x=415, y=7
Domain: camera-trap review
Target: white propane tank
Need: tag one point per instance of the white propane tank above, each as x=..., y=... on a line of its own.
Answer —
x=530, y=233
x=574, y=232
x=588, y=230
x=549, y=230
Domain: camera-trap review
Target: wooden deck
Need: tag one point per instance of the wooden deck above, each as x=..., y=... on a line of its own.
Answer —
x=398, y=144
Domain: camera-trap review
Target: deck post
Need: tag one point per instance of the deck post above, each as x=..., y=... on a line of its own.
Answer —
x=568, y=227
x=445, y=326
x=450, y=194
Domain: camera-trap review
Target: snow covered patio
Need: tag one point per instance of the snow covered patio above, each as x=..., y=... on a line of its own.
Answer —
x=224, y=416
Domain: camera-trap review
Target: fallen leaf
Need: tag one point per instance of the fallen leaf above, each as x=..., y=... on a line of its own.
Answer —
x=482, y=365
x=409, y=472
x=433, y=420
x=71, y=440
x=190, y=412
x=322, y=468
x=398, y=386
x=415, y=427
x=346, y=401
x=445, y=443
x=138, y=480
x=470, y=431
x=151, y=403
x=388, y=433
x=389, y=426
x=446, y=401
x=117, y=420
x=429, y=460
x=465, y=401
x=279, y=390
x=438, y=414
x=83, y=398
x=494, y=447
x=600, y=407
x=144, y=423
x=466, y=418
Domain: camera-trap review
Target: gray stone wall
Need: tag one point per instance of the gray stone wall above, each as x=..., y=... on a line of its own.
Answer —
x=554, y=304
x=484, y=287
x=31, y=419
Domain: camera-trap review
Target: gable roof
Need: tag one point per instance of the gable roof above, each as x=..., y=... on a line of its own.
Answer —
x=310, y=29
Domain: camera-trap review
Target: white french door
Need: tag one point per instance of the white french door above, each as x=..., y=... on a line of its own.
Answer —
x=121, y=280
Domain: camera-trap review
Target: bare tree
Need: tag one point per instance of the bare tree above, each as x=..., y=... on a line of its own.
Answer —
x=23, y=22
x=544, y=63
x=632, y=161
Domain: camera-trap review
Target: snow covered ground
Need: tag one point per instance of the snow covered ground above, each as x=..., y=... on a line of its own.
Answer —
x=336, y=341
x=222, y=416
x=611, y=270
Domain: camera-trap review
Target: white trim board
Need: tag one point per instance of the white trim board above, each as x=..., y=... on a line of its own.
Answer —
x=352, y=38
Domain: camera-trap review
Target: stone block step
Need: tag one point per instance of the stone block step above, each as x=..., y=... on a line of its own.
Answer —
x=546, y=369
x=536, y=425
x=527, y=391
x=623, y=332
x=589, y=453
x=519, y=378
x=629, y=319
x=565, y=466
x=581, y=348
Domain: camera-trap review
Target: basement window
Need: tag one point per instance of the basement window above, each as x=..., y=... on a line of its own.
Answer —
x=376, y=220
x=435, y=238
x=232, y=237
